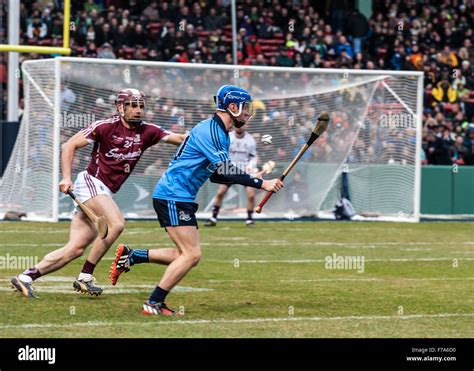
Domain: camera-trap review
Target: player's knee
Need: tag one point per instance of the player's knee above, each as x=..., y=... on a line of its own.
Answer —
x=117, y=226
x=194, y=258
x=74, y=251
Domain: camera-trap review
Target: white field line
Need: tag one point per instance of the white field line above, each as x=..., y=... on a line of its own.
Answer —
x=237, y=321
x=49, y=284
x=120, y=287
x=110, y=288
x=68, y=290
x=309, y=261
x=30, y=244
x=262, y=228
x=382, y=279
x=36, y=232
x=157, y=229
x=415, y=249
x=352, y=245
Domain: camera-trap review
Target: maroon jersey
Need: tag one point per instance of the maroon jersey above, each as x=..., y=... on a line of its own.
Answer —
x=117, y=149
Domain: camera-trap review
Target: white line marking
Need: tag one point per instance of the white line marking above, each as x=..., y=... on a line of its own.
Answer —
x=70, y=291
x=237, y=321
x=415, y=249
x=349, y=245
x=309, y=261
x=45, y=286
x=31, y=244
x=381, y=279
x=220, y=281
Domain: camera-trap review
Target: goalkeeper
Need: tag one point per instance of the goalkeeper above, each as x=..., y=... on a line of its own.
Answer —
x=203, y=155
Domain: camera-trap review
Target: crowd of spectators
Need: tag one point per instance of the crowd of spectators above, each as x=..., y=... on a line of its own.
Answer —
x=430, y=36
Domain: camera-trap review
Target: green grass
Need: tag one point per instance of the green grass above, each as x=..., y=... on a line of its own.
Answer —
x=411, y=285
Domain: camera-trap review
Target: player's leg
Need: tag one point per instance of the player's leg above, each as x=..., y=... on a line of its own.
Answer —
x=125, y=257
x=81, y=234
x=102, y=205
x=221, y=191
x=250, y=206
x=179, y=219
x=186, y=239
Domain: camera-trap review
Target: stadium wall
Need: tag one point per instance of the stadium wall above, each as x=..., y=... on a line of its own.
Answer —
x=447, y=190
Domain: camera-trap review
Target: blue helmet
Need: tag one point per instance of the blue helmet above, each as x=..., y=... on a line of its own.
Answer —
x=228, y=94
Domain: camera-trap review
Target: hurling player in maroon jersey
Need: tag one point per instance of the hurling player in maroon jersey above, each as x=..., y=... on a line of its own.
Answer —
x=118, y=143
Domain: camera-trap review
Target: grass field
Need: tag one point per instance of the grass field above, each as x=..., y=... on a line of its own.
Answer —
x=271, y=281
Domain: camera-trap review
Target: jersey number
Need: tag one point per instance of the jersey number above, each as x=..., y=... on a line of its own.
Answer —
x=181, y=149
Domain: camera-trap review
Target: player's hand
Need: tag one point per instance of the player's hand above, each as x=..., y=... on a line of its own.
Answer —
x=65, y=185
x=273, y=185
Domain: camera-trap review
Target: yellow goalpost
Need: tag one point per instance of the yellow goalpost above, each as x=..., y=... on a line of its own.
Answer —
x=65, y=50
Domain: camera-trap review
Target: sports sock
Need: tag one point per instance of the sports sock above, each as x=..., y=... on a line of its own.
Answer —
x=84, y=276
x=215, y=211
x=139, y=256
x=158, y=295
x=249, y=214
x=88, y=268
x=30, y=275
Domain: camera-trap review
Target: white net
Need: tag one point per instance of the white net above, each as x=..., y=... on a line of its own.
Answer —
x=372, y=133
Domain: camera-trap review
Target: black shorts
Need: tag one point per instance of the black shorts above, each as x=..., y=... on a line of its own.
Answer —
x=175, y=213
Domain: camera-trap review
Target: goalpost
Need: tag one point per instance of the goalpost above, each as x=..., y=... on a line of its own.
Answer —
x=374, y=134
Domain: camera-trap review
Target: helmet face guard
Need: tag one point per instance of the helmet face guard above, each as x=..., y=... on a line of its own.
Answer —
x=228, y=94
x=132, y=98
x=245, y=108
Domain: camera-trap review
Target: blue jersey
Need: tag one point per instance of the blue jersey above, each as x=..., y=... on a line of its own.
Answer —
x=195, y=161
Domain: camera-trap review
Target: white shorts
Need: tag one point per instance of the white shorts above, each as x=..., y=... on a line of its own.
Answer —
x=86, y=187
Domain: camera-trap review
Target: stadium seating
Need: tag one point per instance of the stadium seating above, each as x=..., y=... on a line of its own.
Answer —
x=378, y=46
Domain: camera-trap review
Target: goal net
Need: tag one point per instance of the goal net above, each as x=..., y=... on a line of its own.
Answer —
x=374, y=134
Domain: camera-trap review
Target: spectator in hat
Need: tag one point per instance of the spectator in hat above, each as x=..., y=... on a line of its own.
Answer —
x=106, y=52
x=37, y=29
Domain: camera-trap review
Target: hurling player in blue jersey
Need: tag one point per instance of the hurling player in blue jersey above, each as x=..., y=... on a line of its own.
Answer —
x=203, y=155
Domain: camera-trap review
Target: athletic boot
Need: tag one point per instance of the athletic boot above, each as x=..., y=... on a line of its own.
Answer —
x=121, y=263
x=24, y=288
x=156, y=309
x=212, y=222
x=87, y=286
